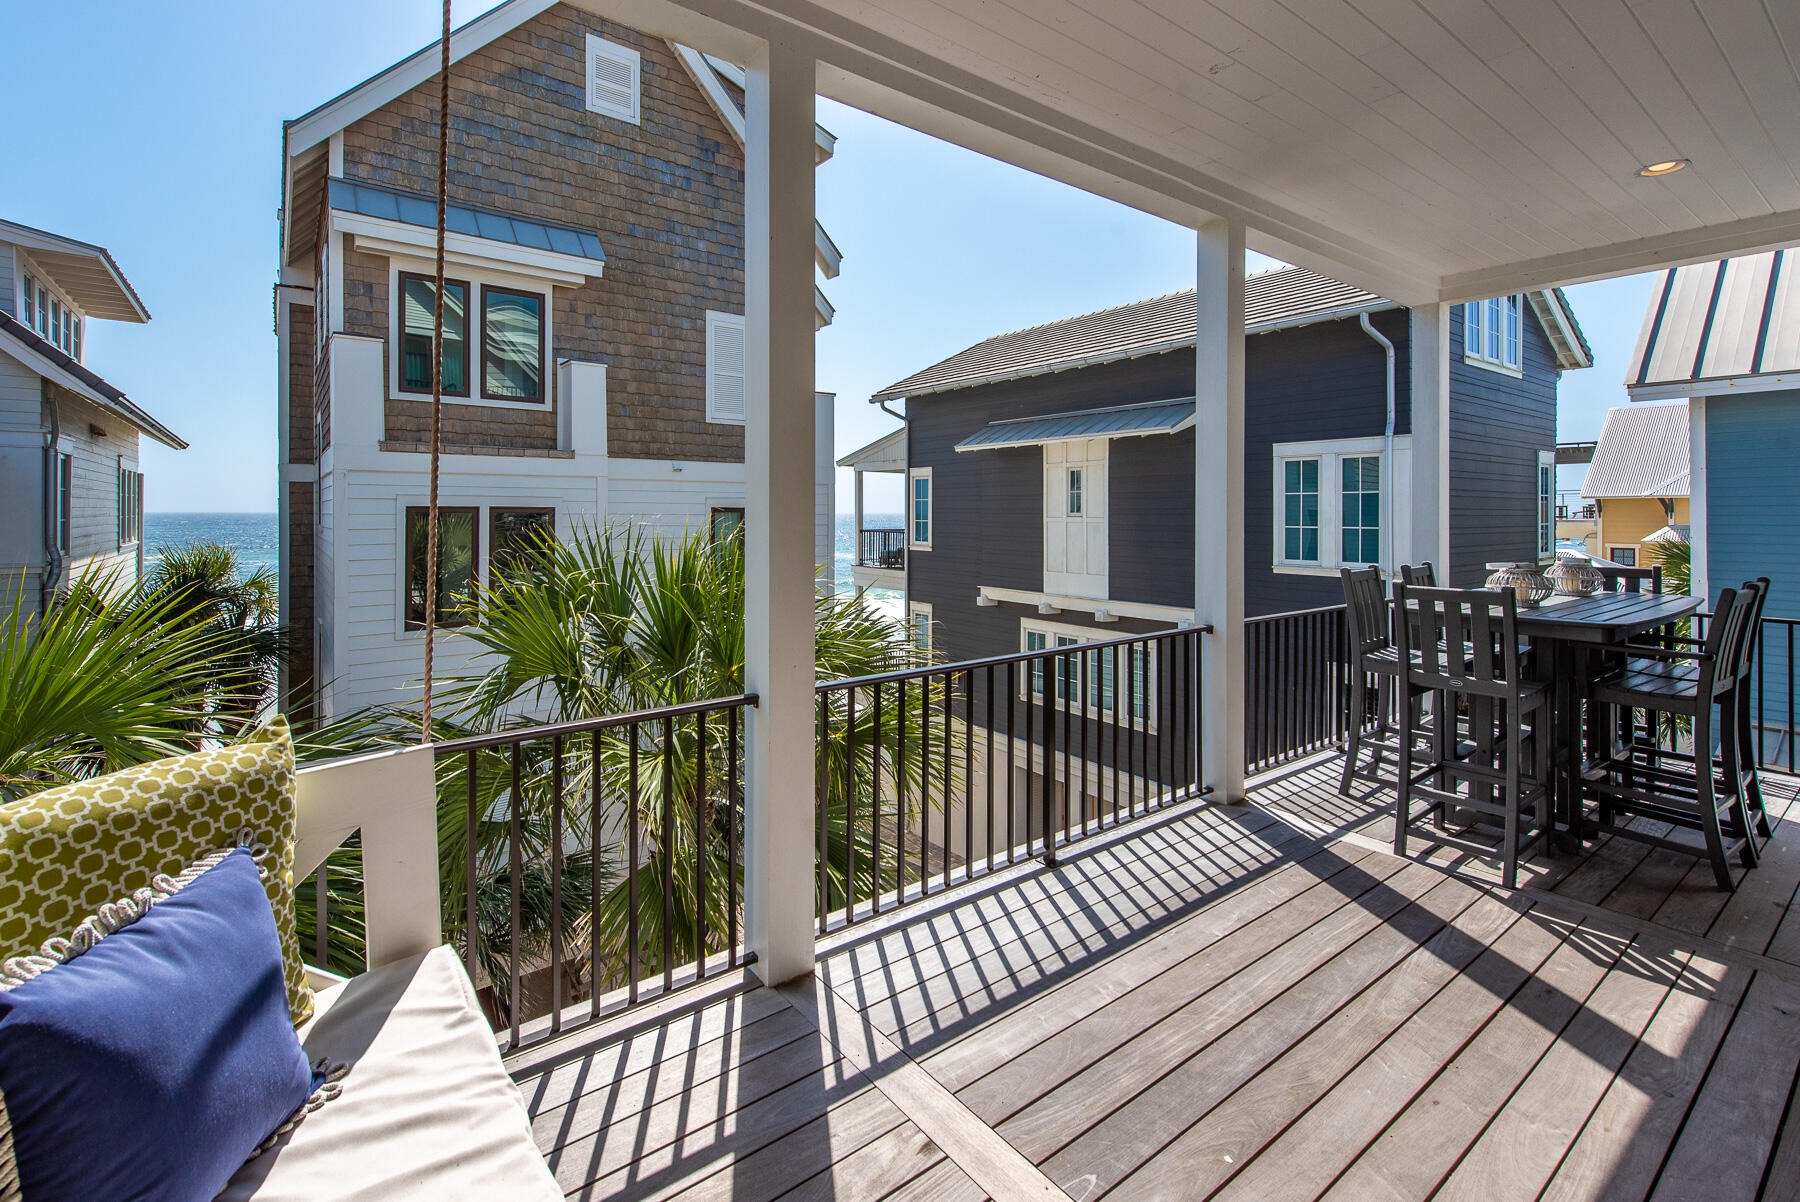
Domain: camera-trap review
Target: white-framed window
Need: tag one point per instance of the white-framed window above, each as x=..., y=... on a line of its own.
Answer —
x=1546, y=505
x=131, y=505
x=612, y=80
x=496, y=336
x=725, y=368
x=918, y=509
x=1330, y=502
x=1493, y=333
x=1089, y=682
x=65, y=501
x=52, y=315
x=918, y=624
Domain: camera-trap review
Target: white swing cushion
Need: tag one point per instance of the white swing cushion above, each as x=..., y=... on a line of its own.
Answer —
x=427, y=1111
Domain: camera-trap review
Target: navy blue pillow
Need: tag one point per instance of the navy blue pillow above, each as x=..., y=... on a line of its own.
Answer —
x=152, y=1065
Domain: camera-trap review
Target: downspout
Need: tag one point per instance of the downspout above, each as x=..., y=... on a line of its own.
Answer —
x=905, y=505
x=1387, y=445
x=53, y=558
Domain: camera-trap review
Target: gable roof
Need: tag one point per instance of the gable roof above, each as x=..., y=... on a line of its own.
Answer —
x=1735, y=322
x=885, y=454
x=35, y=352
x=85, y=271
x=1284, y=298
x=1642, y=452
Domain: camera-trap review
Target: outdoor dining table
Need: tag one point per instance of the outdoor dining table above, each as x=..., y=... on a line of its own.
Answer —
x=1565, y=632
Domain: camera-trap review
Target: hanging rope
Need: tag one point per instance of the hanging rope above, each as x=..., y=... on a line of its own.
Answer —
x=437, y=373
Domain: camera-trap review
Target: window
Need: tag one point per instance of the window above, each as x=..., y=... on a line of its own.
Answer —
x=65, y=500
x=1546, y=505
x=919, y=508
x=28, y=312
x=457, y=568
x=52, y=316
x=512, y=345
x=1492, y=333
x=418, y=319
x=724, y=368
x=727, y=523
x=1074, y=491
x=1300, y=510
x=1088, y=680
x=1361, y=508
x=514, y=535
x=918, y=620
x=131, y=505
x=612, y=79
x=1331, y=502
x=1623, y=556
x=43, y=314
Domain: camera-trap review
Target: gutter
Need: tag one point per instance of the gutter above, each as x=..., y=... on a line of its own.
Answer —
x=53, y=556
x=1387, y=443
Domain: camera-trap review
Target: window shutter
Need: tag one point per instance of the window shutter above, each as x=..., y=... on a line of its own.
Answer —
x=612, y=79
x=725, y=368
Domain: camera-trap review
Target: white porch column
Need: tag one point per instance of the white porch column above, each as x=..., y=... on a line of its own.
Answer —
x=779, y=502
x=1430, y=353
x=1219, y=502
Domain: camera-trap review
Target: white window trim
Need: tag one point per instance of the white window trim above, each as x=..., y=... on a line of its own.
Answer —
x=1478, y=357
x=1121, y=679
x=922, y=609
x=1545, y=459
x=1396, y=525
x=484, y=505
x=716, y=321
x=930, y=509
x=598, y=46
x=478, y=282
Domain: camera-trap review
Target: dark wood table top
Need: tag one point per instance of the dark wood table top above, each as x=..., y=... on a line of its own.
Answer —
x=1604, y=617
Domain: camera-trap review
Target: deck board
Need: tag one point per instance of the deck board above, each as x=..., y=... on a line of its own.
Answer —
x=1225, y=1004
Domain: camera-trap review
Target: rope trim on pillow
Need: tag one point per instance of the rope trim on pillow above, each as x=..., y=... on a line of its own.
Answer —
x=115, y=916
x=330, y=1077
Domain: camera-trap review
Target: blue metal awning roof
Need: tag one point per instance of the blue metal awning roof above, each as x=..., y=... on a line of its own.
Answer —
x=350, y=196
x=1118, y=421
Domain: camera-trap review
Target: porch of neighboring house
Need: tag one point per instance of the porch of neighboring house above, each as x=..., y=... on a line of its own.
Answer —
x=1250, y=1001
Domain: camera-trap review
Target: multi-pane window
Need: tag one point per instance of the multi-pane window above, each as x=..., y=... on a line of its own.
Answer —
x=919, y=508
x=1492, y=332
x=918, y=620
x=1074, y=491
x=515, y=535
x=131, y=506
x=65, y=501
x=1546, y=517
x=457, y=564
x=512, y=345
x=1088, y=680
x=1361, y=508
x=1300, y=510
x=54, y=319
x=418, y=322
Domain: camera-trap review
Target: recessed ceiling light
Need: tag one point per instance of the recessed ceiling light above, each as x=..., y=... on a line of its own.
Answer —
x=1666, y=167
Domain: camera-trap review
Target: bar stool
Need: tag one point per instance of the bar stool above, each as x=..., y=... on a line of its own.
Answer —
x=1463, y=646
x=1422, y=576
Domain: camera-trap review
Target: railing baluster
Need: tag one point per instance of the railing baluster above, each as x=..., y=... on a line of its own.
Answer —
x=556, y=874
x=734, y=803
x=875, y=807
x=968, y=788
x=516, y=864
x=900, y=803
x=924, y=871
x=1114, y=758
x=471, y=888
x=949, y=689
x=851, y=768
x=702, y=831
x=1012, y=701
x=633, y=935
x=668, y=853
x=822, y=812
x=594, y=862
x=988, y=762
x=1048, y=783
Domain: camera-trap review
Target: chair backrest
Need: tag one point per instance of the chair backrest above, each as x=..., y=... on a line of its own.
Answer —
x=1633, y=580
x=1749, y=640
x=1719, y=668
x=1466, y=640
x=1365, y=610
x=1423, y=575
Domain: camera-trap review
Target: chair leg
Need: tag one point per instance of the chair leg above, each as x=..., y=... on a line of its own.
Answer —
x=1403, y=789
x=1748, y=756
x=1358, y=700
x=1732, y=762
x=1515, y=752
x=1708, y=798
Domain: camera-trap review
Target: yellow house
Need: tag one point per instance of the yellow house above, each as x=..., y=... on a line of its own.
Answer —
x=1638, y=480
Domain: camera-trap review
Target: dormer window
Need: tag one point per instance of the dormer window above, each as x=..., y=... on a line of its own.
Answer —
x=53, y=317
x=1492, y=333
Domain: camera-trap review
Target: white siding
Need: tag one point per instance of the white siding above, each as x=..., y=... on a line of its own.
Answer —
x=94, y=513
x=652, y=495
x=324, y=584
x=21, y=483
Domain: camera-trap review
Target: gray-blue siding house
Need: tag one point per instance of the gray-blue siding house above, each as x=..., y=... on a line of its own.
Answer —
x=1726, y=336
x=1050, y=484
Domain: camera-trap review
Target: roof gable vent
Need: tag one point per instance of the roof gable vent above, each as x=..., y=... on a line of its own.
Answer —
x=612, y=79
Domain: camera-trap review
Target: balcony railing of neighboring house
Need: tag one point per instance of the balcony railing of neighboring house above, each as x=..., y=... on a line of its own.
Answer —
x=1296, y=686
x=1566, y=513
x=943, y=774
x=881, y=549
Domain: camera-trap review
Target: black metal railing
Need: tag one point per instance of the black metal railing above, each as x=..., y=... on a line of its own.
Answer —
x=1296, y=686
x=881, y=549
x=1772, y=691
x=937, y=775
x=634, y=821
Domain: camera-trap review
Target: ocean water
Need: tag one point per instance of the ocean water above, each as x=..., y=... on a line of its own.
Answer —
x=254, y=536
x=846, y=553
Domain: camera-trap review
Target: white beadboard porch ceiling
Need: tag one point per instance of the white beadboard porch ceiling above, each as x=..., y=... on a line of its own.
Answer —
x=1426, y=149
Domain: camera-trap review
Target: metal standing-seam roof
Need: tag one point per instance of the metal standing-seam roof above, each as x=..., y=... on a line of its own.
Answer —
x=1273, y=300
x=1116, y=421
x=1642, y=452
x=1721, y=321
x=351, y=196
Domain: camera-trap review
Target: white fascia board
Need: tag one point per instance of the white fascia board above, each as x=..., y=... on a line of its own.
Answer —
x=1731, y=386
x=822, y=308
x=1091, y=605
x=1561, y=326
x=382, y=236
x=826, y=253
x=303, y=133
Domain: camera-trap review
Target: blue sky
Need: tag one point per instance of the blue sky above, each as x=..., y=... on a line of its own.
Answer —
x=168, y=153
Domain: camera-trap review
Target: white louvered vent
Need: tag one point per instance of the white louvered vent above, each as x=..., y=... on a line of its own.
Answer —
x=724, y=368
x=612, y=79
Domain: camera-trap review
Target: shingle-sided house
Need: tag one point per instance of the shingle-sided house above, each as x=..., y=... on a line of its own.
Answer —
x=594, y=330
x=71, y=488
x=1050, y=484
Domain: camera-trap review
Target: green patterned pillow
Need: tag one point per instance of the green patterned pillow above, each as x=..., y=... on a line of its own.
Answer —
x=68, y=851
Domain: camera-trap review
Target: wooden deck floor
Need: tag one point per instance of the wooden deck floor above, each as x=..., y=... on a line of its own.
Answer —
x=1253, y=1002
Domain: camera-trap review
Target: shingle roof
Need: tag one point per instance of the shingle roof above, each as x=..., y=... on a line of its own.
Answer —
x=1642, y=452
x=1148, y=417
x=97, y=389
x=1273, y=300
x=1715, y=321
